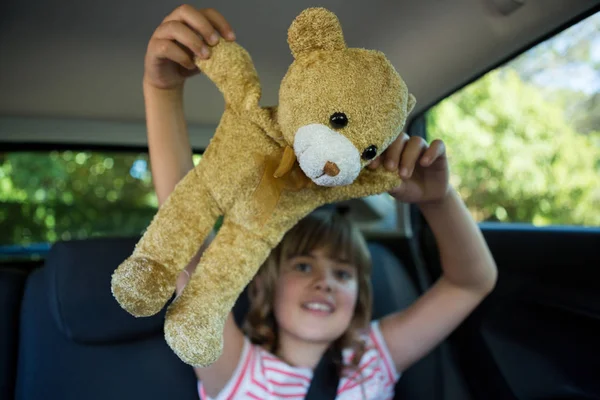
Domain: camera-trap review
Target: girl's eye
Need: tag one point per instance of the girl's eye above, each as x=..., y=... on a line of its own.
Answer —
x=302, y=267
x=343, y=275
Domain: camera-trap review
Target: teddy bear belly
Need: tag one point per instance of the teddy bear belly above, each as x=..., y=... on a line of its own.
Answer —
x=234, y=161
x=269, y=220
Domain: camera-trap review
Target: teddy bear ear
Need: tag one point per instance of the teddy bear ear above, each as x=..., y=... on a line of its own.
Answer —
x=315, y=29
x=412, y=101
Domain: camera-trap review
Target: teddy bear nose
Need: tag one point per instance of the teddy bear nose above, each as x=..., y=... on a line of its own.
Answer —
x=331, y=169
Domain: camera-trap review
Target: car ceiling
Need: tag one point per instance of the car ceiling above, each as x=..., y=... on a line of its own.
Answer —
x=72, y=70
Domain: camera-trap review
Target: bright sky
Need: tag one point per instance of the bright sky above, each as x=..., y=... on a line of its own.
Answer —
x=579, y=76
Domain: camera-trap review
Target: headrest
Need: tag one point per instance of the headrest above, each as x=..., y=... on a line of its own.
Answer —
x=78, y=277
x=393, y=288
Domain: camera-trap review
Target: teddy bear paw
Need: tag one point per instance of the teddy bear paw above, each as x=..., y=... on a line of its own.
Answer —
x=142, y=286
x=197, y=340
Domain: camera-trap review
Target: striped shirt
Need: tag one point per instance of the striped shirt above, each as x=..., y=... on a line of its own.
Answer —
x=261, y=375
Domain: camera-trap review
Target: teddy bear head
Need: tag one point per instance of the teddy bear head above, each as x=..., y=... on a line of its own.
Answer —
x=339, y=107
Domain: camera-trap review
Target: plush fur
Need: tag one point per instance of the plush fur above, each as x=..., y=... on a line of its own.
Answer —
x=264, y=170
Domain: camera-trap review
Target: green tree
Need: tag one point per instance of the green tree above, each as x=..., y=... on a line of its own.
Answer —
x=514, y=157
x=73, y=194
x=524, y=141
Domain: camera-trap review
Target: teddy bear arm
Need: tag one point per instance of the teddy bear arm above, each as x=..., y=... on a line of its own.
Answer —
x=368, y=183
x=231, y=69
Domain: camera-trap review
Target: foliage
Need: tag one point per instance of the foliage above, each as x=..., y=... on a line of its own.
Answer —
x=73, y=195
x=524, y=140
x=513, y=156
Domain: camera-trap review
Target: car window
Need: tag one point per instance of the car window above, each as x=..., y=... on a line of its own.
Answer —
x=62, y=195
x=524, y=139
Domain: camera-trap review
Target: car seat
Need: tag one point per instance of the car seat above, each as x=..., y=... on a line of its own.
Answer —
x=77, y=343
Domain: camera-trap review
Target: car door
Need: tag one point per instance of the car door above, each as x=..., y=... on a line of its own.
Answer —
x=524, y=151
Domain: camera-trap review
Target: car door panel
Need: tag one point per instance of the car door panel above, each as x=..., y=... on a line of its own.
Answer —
x=537, y=336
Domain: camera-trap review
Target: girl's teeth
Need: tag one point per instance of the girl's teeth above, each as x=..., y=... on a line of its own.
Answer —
x=318, y=307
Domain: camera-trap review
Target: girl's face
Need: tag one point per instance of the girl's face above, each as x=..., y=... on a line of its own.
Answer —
x=315, y=297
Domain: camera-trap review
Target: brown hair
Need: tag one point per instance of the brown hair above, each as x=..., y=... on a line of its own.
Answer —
x=320, y=230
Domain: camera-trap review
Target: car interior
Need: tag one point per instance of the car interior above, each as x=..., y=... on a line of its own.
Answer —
x=76, y=190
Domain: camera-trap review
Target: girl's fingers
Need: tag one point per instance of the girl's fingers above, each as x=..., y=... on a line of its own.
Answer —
x=412, y=152
x=220, y=23
x=196, y=20
x=175, y=30
x=209, y=23
x=391, y=157
x=376, y=162
x=435, y=151
x=167, y=49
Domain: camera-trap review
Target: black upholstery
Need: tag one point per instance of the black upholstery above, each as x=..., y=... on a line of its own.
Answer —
x=393, y=288
x=396, y=291
x=436, y=376
x=11, y=292
x=76, y=342
x=78, y=283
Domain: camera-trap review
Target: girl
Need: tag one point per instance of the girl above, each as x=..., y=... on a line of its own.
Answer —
x=313, y=292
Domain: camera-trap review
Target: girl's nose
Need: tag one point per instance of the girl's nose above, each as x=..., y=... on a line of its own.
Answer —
x=324, y=281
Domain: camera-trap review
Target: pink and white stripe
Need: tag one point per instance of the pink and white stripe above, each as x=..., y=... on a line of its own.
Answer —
x=261, y=375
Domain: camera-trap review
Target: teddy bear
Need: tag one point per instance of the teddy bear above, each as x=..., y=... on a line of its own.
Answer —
x=264, y=169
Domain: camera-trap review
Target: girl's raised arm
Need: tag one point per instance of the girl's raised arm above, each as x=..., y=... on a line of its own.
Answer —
x=469, y=271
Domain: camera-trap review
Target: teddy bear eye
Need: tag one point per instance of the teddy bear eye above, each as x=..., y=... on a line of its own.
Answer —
x=338, y=120
x=370, y=152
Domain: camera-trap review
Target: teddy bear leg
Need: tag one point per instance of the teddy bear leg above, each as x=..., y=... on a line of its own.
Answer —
x=144, y=282
x=195, y=321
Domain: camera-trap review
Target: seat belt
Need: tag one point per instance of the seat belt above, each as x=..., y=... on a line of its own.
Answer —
x=325, y=381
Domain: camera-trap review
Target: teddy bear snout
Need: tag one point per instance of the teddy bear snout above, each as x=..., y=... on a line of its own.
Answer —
x=327, y=157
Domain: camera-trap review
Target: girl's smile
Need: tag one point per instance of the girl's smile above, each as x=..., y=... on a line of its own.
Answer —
x=315, y=297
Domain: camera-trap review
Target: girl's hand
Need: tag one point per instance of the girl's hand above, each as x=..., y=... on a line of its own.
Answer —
x=185, y=33
x=422, y=167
